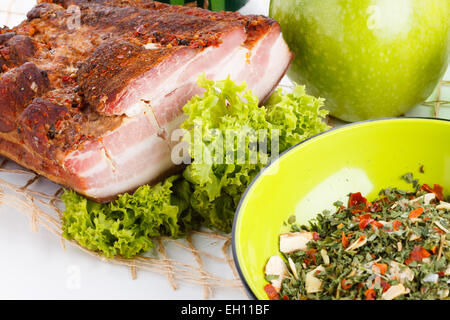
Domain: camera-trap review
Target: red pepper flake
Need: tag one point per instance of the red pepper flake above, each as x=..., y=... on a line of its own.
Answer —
x=312, y=255
x=364, y=223
x=315, y=236
x=396, y=225
x=345, y=285
x=66, y=78
x=376, y=224
x=379, y=267
x=417, y=254
x=416, y=213
x=438, y=190
x=344, y=240
x=271, y=292
x=32, y=31
x=385, y=285
x=366, y=219
x=426, y=188
x=370, y=294
x=434, y=249
x=375, y=207
x=357, y=200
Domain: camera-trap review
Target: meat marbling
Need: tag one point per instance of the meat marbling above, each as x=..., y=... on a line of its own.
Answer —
x=92, y=105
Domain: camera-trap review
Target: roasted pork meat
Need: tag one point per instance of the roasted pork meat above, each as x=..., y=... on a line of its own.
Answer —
x=91, y=90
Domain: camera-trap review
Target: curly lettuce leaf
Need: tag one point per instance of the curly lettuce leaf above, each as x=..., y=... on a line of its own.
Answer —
x=218, y=186
x=126, y=226
x=297, y=115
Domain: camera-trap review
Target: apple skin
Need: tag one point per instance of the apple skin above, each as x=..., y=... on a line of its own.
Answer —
x=368, y=58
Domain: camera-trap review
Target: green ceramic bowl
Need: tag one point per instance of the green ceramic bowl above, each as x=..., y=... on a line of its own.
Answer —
x=305, y=180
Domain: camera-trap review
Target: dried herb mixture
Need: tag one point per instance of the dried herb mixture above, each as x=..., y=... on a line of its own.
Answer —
x=395, y=247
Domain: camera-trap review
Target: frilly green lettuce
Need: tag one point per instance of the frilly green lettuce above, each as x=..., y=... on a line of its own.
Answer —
x=126, y=226
x=218, y=187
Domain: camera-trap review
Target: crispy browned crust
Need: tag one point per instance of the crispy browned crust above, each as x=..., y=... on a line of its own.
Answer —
x=53, y=130
x=18, y=88
x=18, y=152
x=15, y=50
x=142, y=25
x=113, y=66
x=255, y=25
x=39, y=124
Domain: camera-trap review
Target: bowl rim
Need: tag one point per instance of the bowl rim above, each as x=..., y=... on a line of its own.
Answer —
x=247, y=288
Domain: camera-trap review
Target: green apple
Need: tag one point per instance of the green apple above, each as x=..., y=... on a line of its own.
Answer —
x=368, y=58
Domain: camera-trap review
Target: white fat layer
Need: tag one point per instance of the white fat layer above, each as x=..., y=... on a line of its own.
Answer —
x=148, y=173
x=141, y=148
x=170, y=83
x=100, y=166
x=117, y=161
x=280, y=57
x=233, y=65
x=81, y=155
x=108, y=159
x=143, y=173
